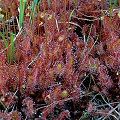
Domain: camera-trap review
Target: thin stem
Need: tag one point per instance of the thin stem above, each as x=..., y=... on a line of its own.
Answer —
x=110, y=105
x=3, y=106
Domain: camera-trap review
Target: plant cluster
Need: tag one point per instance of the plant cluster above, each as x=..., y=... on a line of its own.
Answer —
x=59, y=60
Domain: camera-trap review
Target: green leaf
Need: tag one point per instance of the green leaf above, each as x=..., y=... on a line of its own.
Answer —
x=115, y=3
x=35, y=2
x=5, y=41
x=1, y=16
x=119, y=14
x=22, y=8
x=0, y=9
x=24, y=1
x=3, y=105
x=71, y=14
x=49, y=3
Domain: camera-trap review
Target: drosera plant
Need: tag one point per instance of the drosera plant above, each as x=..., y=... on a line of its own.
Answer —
x=63, y=65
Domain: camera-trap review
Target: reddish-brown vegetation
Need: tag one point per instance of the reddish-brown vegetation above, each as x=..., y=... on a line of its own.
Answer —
x=66, y=63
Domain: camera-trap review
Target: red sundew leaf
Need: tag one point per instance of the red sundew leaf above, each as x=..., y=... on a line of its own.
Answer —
x=30, y=81
x=85, y=29
x=71, y=79
x=32, y=78
x=79, y=13
x=74, y=80
x=110, y=61
x=37, y=43
x=11, y=6
x=14, y=115
x=91, y=107
x=46, y=111
x=85, y=60
x=55, y=48
x=103, y=4
x=14, y=10
x=84, y=63
x=85, y=7
x=26, y=44
x=96, y=14
x=1, y=84
x=39, y=61
x=57, y=6
x=12, y=70
x=47, y=97
x=29, y=30
x=73, y=37
x=95, y=88
x=64, y=114
x=100, y=49
x=35, y=76
x=12, y=83
x=41, y=41
x=69, y=69
x=3, y=77
x=29, y=111
x=93, y=31
x=43, y=54
x=116, y=21
x=119, y=81
x=47, y=80
x=105, y=91
x=22, y=76
x=49, y=73
x=118, y=41
x=70, y=59
x=89, y=7
x=3, y=115
x=59, y=37
x=96, y=22
x=105, y=80
x=59, y=67
x=75, y=92
x=118, y=58
x=69, y=46
x=107, y=23
x=50, y=22
x=42, y=80
x=61, y=52
x=113, y=45
x=57, y=93
x=2, y=59
x=80, y=44
x=9, y=99
x=113, y=36
x=90, y=44
x=94, y=63
x=4, y=71
x=102, y=69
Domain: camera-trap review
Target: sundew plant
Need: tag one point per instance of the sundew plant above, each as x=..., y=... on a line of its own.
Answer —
x=60, y=59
